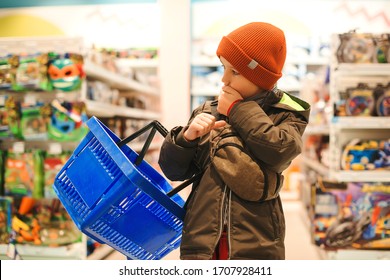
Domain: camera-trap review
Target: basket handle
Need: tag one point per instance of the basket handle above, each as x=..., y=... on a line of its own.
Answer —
x=153, y=127
x=156, y=126
x=184, y=184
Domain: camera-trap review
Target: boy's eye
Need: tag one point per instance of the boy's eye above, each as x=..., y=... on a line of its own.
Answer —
x=235, y=72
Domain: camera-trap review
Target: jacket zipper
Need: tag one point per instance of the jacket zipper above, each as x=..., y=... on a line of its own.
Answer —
x=222, y=221
x=229, y=224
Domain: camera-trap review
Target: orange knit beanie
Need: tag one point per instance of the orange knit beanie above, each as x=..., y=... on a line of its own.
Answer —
x=257, y=50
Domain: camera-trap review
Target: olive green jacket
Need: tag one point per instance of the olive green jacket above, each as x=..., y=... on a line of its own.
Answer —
x=243, y=164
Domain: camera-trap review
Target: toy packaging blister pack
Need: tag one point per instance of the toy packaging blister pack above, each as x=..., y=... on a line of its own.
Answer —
x=52, y=165
x=68, y=121
x=24, y=174
x=364, y=100
x=5, y=219
x=42, y=222
x=351, y=215
x=366, y=155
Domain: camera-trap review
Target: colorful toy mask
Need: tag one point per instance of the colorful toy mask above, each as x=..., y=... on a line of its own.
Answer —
x=64, y=74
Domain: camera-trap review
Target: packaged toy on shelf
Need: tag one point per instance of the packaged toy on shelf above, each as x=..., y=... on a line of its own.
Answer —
x=66, y=71
x=5, y=219
x=351, y=215
x=23, y=173
x=366, y=155
x=43, y=222
x=53, y=162
x=34, y=121
x=363, y=100
x=363, y=48
x=68, y=121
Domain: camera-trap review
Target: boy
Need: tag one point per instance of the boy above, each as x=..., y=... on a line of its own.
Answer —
x=242, y=143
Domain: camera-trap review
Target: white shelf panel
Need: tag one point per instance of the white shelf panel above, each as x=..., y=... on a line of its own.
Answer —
x=316, y=166
x=117, y=81
x=75, y=251
x=207, y=62
x=366, y=69
x=209, y=91
x=361, y=122
x=352, y=254
x=361, y=176
x=317, y=130
x=308, y=60
x=136, y=63
x=100, y=109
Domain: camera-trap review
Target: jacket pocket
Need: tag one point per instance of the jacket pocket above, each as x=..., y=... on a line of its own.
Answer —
x=244, y=176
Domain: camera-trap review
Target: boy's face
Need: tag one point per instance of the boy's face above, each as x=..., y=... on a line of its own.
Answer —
x=231, y=77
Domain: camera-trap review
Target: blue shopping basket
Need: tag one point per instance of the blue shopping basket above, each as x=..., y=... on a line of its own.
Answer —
x=117, y=198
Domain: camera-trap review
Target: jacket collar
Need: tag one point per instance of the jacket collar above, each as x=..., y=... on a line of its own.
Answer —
x=266, y=98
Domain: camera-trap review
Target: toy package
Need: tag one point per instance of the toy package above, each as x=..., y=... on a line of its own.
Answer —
x=68, y=121
x=364, y=100
x=363, y=48
x=52, y=165
x=5, y=132
x=42, y=222
x=23, y=174
x=65, y=71
x=34, y=122
x=12, y=117
x=5, y=74
x=366, y=155
x=351, y=215
x=5, y=219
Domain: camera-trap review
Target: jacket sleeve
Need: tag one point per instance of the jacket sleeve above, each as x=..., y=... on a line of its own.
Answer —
x=176, y=155
x=273, y=144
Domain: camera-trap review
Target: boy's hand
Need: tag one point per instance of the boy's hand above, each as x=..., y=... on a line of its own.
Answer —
x=201, y=125
x=226, y=98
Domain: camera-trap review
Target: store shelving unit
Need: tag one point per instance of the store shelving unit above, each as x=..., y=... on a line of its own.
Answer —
x=341, y=130
x=32, y=45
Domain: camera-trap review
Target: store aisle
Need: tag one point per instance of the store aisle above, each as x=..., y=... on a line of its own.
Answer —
x=298, y=243
x=298, y=240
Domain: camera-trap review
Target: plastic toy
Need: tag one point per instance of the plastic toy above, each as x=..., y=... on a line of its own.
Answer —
x=66, y=73
x=361, y=219
x=68, y=121
x=360, y=101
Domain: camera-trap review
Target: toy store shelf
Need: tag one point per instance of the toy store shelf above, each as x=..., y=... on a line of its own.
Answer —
x=206, y=91
x=136, y=63
x=366, y=69
x=355, y=254
x=361, y=176
x=309, y=60
x=72, y=251
x=205, y=61
x=361, y=122
x=317, y=130
x=316, y=166
x=117, y=81
x=108, y=110
x=39, y=144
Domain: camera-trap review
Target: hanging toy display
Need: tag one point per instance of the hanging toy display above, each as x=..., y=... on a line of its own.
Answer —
x=66, y=72
x=360, y=102
x=68, y=121
x=382, y=49
x=363, y=48
x=383, y=103
x=355, y=48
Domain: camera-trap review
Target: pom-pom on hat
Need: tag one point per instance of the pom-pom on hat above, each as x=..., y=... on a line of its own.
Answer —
x=257, y=50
